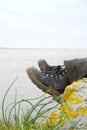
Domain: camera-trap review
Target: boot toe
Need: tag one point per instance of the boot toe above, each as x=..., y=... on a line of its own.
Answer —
x=38, y=79
x=42, y=65
x=34, y=73
x=30, y=71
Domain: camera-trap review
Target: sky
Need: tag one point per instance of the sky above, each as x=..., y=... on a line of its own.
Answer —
x=43, y=23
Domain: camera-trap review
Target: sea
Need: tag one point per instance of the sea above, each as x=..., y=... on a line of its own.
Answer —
x=13, y=65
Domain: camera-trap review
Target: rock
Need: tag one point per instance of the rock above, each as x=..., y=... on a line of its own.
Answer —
x=72, y=111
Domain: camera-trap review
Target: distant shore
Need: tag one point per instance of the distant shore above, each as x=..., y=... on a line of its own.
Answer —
x=3, y=48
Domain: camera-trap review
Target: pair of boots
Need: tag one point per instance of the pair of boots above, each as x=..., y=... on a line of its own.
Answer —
x=54, y=79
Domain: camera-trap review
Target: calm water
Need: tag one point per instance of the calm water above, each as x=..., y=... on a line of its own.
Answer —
x=13, y=62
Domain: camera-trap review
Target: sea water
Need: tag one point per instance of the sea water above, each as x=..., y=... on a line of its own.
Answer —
x=14, y=62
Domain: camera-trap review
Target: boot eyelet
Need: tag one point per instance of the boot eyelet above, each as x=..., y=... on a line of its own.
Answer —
x=51, y=75
x=56, y=76
x=60, y=76
x=63, y=73
x=47, y=75
x=65, y=70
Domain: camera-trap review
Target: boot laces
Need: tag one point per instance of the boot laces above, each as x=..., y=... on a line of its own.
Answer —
x=55, y=71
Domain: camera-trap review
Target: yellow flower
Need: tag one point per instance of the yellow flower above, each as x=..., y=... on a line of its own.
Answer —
x=82, y=110
x=66, y=109
x=54, y=117
x=69, y=94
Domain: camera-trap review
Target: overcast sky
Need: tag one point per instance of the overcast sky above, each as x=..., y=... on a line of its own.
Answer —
x=43, y=23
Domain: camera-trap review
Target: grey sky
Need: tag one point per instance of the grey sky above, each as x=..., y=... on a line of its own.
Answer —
x=43, y=23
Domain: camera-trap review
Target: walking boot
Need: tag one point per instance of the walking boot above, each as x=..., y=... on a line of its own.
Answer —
x=52, y=84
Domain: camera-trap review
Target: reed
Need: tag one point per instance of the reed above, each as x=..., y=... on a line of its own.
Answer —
x=33, y=118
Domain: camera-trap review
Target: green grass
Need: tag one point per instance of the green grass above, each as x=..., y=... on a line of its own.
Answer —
x=31, y=119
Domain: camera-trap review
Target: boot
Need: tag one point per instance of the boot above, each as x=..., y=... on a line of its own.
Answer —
x=53, y=85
